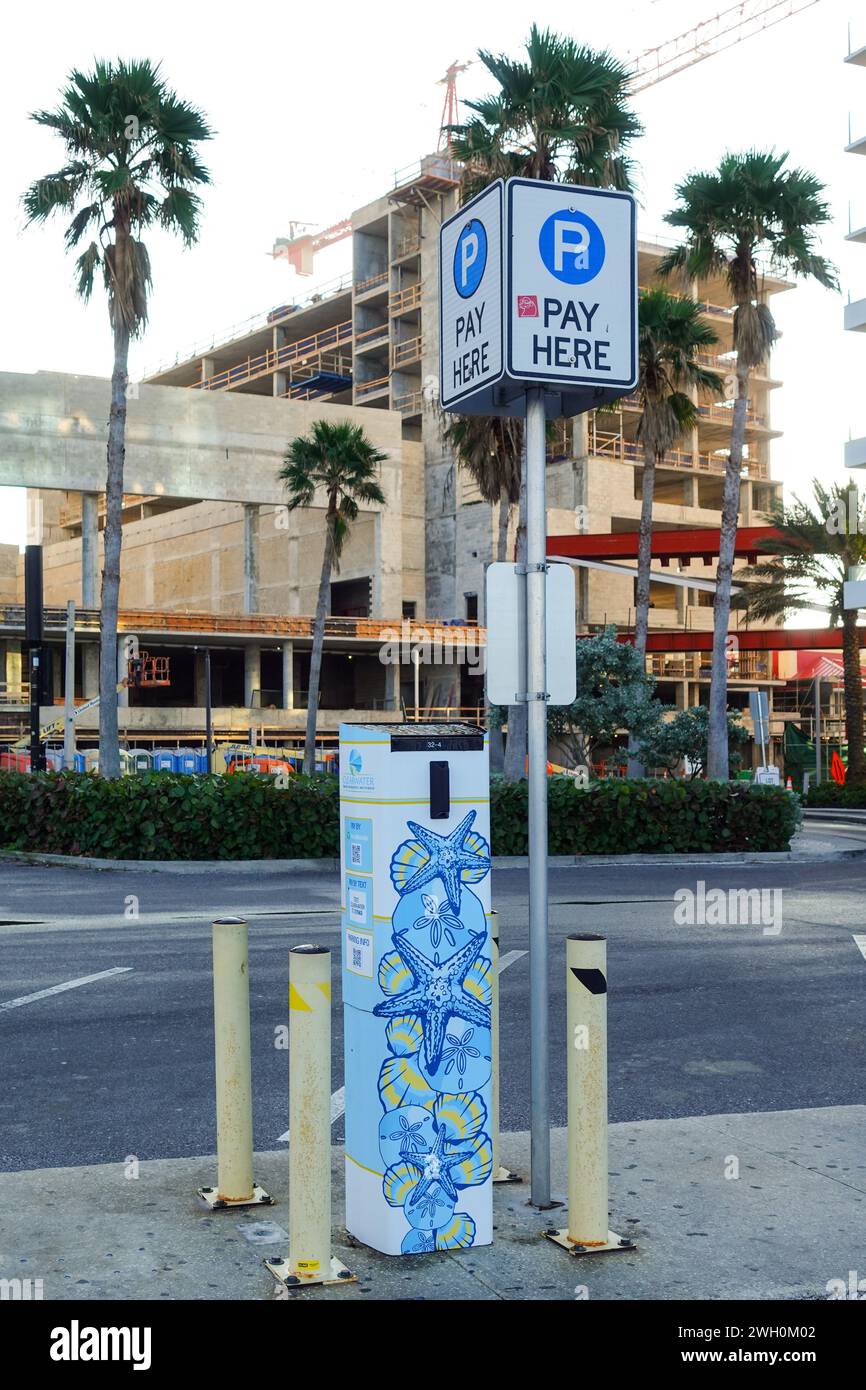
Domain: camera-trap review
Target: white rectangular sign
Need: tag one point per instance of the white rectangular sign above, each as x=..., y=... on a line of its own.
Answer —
x=571, y=285
x=506, y=635
x=470, y=298
x=854, y=593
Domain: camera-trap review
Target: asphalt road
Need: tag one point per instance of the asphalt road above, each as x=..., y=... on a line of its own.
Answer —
x=703, y=1019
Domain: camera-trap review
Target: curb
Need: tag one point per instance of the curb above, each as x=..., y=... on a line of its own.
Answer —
x=517, y=861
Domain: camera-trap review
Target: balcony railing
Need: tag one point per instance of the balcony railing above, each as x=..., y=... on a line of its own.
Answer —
x=277, y=358
x=410, y=404
x=372, y=282
x=614, y=446
x=369, y=388
x=404, y=300
x=749, y=666
x=405, y=352
x=407, y=246
x=372, y=335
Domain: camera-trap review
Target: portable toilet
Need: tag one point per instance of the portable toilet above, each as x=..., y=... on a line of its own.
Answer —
x=201, y=760
x=163, y=760
x=140, y=760
x=415, y=891
x=91, y=760
x=185, y=761
x=80, y=762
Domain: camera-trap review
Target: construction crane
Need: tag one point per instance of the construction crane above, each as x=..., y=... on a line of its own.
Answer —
x=714, y=35
x=450, y=106
x=711, y=36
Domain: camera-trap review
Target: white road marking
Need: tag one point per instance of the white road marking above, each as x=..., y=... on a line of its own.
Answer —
x=59, y=989
x=338, y=1108
x=338, y=1099
x=860, y=943
x=509, y=958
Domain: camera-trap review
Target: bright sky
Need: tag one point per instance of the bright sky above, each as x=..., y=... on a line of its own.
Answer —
x=314, y=110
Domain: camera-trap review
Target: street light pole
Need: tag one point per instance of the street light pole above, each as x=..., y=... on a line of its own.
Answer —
x=536, y=697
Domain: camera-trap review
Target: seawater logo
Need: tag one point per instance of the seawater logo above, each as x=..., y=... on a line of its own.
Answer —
x=356, y=779
x=470, y=258
x=571, y=246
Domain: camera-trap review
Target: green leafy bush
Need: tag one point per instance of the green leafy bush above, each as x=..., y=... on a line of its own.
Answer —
x=831, y=794
x=648, y=817
x=164, y=816
x=167, y=816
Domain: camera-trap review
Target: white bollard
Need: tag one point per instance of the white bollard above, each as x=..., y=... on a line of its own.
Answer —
x=309, y=1260
x=236, y=1186
x=586, y=1033
x=500, y=1174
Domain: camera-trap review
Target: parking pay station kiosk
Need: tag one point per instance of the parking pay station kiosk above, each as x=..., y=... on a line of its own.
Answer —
x=415, y=852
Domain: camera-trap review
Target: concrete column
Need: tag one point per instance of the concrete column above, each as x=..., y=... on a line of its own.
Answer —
x=89, y=550
x=252, y=672
x=392, y=686
x=89, y=669
x=200, y=681
x=208, y=368
x=281, y=383
x=288, y=675
x=122, y=670
x=251, y=558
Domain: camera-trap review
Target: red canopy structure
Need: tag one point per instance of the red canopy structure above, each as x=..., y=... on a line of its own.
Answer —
x=684, y=545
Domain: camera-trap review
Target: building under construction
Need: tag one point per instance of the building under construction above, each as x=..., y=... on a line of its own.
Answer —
x=212, y=558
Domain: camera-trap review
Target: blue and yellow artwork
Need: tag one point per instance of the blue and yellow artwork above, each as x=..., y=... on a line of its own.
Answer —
x=436, y=983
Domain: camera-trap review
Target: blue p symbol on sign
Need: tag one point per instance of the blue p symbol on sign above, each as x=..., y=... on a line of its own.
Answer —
x=470, y=258
x=571, y=246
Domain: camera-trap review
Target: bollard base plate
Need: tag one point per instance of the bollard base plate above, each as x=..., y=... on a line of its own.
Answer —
x=506, y=1175
x=210, y=1196
x=337, y=1273
x=613, y=1243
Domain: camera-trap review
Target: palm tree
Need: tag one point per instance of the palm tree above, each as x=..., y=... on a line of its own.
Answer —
x=807, y=568
x=559, y=115
x=752, y=204
x=490, y=448
x=340, y=461
x=671, y=336
x=131, y=164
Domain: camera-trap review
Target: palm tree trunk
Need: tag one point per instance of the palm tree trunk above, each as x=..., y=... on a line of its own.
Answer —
x=644, y=562
x=515, y=749
x=717, y=740
x=853, y=698
x=109, y=752
x=495, y=737
x=316, y=654
x=504, y=517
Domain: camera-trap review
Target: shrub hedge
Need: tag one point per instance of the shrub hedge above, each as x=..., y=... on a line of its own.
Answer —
x=831, y=794
x=167, y=816
x=648, y=817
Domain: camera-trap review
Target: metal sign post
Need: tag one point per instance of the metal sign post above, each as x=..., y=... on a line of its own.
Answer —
x=538, y=318
x=536, y=694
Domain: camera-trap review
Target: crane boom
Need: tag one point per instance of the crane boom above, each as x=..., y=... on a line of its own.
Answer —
x=711, y=36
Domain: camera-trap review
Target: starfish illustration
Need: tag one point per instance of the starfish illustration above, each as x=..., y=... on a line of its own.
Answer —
x=447, y=856
x=437, y=993
x=435, y=1168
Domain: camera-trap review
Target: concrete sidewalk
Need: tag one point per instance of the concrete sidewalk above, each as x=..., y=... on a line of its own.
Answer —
x=793, y=1219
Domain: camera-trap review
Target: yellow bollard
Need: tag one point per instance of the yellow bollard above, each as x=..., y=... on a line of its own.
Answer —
x=234, y=1104
x=309, y=1260
x=500, y=1174
x=586, y=1012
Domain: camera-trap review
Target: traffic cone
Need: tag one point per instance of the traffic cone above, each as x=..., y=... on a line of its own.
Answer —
x=789, y=785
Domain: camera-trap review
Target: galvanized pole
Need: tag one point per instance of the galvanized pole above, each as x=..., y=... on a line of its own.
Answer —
x=69, y=690
x=817, y=731
x=536, y=696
